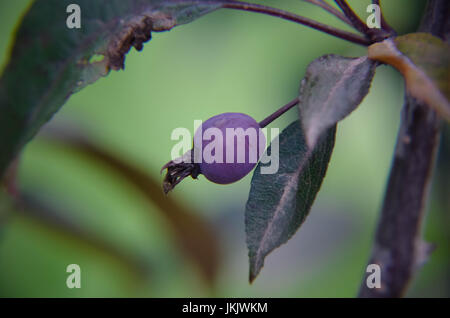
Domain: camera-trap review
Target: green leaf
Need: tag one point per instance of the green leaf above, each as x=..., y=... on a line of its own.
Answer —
x=279, y=203
x=49, y=61
x=424, y=62
x=332, y=88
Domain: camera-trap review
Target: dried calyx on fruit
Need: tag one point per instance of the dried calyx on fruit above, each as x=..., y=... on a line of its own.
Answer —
x=226, y=148
x=179, y=169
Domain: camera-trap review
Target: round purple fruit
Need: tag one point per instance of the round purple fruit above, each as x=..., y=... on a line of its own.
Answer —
x=228, y=146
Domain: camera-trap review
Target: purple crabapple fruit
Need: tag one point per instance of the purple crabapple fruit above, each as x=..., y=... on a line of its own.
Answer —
x=241, y=137
x=226, y=148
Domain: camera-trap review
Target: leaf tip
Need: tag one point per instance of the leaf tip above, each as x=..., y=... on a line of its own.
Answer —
x=256, y=264
x=251, y=278
x=254, y=271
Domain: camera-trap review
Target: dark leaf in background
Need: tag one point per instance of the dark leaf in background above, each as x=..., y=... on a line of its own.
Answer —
x=50, y=215
x=332, y=88
x=194, y=236
x=10, y=179
x=279, y=203
x=424, y=62
x=6, y=206
x=49, y=61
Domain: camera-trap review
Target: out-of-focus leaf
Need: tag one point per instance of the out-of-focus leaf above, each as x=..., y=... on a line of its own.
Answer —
x=10, y=179
x=193, y=235
x=48, y=214
x=332, y=88
x=49, y=61
x=6, y=205
x=279, y=203
x=424, y=62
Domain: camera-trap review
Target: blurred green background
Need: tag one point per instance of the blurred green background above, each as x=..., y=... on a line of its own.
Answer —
x=127, y=246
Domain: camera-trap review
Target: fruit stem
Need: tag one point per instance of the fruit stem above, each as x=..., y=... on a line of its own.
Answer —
x=349, y=36
x=279, y=112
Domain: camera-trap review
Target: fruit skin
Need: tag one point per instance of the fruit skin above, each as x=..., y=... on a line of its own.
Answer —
x=227, y=172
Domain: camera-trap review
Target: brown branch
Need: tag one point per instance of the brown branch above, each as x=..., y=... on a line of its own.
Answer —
x=398, y=248
x=349, y=36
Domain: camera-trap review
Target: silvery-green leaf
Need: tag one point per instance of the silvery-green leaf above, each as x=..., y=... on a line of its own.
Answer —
x=279, y=203
x=331, y=89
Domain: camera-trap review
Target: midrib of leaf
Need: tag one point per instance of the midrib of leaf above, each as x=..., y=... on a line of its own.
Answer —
x=291, y=186
x=347, y=73
x=321, y=108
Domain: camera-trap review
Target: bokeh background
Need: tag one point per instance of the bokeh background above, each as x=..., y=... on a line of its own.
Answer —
x=106, y=213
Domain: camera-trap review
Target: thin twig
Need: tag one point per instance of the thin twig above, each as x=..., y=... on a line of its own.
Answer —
x=384, y=25
x=353, y=17
x=398, y=248
x=324, y=5
x=374, y=35
x=278, y=113
x=351, y=37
